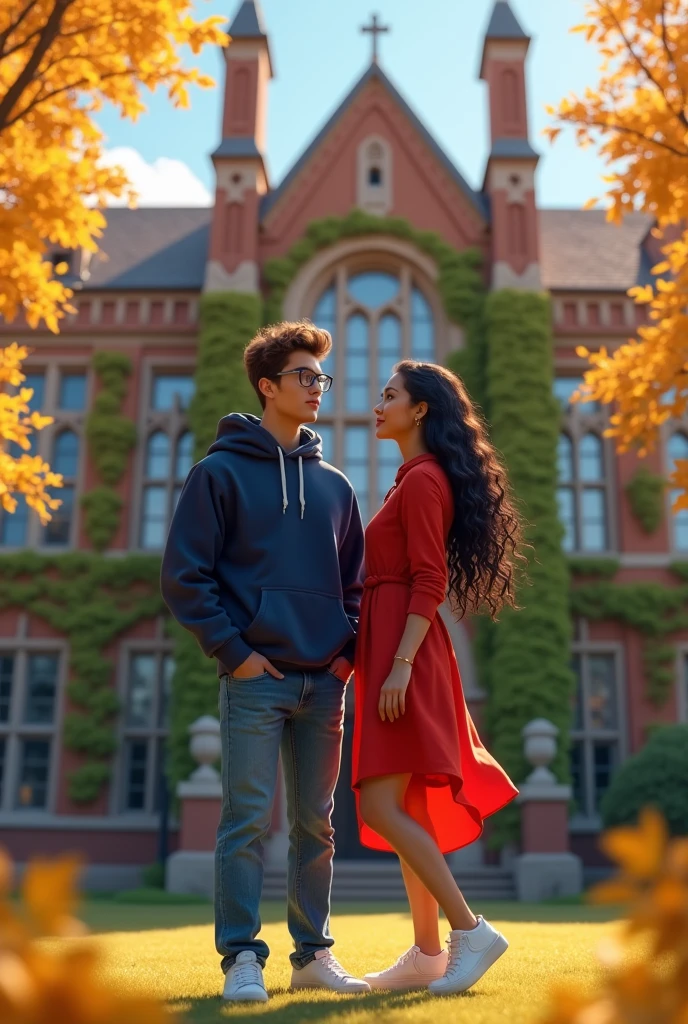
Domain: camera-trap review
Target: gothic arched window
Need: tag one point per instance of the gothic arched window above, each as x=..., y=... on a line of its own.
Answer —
x=383, y=316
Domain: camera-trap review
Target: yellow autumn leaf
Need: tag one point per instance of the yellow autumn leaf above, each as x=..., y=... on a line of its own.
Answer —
x=639, y=851
x=49, y=889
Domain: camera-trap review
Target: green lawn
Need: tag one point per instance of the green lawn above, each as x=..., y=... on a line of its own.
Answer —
x=168, y=950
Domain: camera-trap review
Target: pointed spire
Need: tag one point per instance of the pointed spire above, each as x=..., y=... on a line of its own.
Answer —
x=248, y=22
x=503, y=27
x=503, y=23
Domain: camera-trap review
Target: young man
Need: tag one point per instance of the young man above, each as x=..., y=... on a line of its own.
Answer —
x=263, y=564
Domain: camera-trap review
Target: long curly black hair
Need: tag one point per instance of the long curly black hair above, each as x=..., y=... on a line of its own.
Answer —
x=485, y=537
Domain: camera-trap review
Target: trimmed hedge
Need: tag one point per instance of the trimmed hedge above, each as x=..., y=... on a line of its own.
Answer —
x=655, y=776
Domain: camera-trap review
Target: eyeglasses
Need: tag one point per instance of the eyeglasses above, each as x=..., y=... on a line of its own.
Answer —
x=308, y=377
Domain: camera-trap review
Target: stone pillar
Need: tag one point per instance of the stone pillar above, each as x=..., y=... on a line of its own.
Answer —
x=545, y=867
x=191, y=868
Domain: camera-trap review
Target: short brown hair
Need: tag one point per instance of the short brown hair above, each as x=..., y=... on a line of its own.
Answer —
x=266, y=355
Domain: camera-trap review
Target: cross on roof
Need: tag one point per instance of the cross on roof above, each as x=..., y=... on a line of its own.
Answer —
x=375, y=30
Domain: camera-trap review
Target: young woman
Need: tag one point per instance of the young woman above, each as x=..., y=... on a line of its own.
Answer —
x=424, y=781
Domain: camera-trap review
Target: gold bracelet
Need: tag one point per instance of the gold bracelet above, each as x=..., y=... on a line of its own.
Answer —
x=398, y=657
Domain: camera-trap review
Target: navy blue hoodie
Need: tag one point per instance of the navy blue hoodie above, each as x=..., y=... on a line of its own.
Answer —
x=265, y=551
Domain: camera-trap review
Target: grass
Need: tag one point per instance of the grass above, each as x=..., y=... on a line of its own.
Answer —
x=168, y=950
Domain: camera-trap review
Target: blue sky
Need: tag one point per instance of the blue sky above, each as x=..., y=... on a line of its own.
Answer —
x=432, y=55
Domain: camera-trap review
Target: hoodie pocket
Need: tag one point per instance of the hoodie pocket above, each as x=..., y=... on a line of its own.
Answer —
x=299, y=626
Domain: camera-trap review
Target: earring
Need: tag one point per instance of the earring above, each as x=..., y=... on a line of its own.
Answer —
x=418, y=422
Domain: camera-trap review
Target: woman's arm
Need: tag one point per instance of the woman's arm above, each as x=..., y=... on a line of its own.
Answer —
x=393, y=693
x=422, y=511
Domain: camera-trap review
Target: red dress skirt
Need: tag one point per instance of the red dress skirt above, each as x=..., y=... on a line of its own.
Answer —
x=455, y=782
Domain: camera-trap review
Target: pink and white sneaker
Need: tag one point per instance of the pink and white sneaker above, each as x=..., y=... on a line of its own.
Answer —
x=413, y=970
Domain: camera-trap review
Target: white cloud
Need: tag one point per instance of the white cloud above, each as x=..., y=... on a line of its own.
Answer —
x=164, y=182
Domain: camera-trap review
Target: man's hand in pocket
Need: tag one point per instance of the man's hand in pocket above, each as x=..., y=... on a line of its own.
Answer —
x=256, y=665
x=342, y=669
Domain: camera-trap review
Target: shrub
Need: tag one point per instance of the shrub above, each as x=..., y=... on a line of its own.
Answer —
x=656, y=776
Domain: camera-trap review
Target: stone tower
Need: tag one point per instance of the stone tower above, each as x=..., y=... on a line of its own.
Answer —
x=239, y=161
x=510, y=174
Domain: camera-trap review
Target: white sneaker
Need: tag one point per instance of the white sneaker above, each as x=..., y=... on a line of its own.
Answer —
x=244, y=980
x=326, y=972
x=412, y=970
x=471, y=954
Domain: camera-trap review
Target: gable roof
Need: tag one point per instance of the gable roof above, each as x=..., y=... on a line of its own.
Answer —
x=476, y=199
x=580, y=250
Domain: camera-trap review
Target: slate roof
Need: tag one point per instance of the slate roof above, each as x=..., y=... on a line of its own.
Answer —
x=248, y=22
x=166, y=248
x=582, y=250
x=239, y=146
x=513, y=149
x=152, y=247
x=503, y=23
x=375, y=71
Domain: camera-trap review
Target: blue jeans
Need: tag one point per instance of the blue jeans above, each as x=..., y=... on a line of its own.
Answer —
x=300, y=716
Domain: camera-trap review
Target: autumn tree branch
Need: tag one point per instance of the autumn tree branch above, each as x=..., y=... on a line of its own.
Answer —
x=47, y=36
x=679, y=114
x=4, y=36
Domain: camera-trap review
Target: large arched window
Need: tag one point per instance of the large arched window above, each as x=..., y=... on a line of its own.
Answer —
x=376, y=317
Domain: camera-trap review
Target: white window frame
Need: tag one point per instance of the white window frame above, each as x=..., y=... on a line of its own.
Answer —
x=575, y=424
x=583, y=821
x=15, y=730
x=153, y=734
x=173, y=422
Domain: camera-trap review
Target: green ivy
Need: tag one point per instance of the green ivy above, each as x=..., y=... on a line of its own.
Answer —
x=102, y=507
x=111, y=437
x=527, y=672
x=587, y=565
x=90, y=600
x=460, y=282
x=228, y=321
x=645, y=492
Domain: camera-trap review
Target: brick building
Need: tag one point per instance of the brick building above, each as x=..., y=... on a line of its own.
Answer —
x=379, y=296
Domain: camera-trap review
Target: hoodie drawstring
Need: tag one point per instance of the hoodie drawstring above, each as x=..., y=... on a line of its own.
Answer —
x=285, y=499
x=302, y=488
x=302, y=491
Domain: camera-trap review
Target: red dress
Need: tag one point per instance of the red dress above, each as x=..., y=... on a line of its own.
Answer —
x=456, y=783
